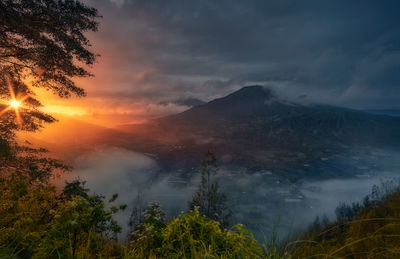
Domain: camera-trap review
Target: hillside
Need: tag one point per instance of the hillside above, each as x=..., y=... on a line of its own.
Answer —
x=253, y=127
x=255, y=110
x=361, y=230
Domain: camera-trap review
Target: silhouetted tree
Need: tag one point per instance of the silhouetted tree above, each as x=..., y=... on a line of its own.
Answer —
x=346, y=212
x=208, y=199
x=136, y=217
x=43, y=43
x=75, y=188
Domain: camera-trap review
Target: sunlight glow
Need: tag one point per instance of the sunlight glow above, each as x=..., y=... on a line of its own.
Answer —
x=64, y=110
x=15, y=104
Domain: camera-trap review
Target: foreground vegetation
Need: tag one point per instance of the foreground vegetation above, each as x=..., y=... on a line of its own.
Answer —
x=40, y=222
x=370, y=229
x=37, y=222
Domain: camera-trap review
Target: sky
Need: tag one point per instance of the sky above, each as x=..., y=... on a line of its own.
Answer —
x=157, y=54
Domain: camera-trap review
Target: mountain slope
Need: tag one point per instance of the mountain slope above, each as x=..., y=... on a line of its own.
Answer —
x=253, y=127
x=255, y=113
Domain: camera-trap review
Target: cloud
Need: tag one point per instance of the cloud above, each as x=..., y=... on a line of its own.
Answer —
x=342, y=52
x=119, y=3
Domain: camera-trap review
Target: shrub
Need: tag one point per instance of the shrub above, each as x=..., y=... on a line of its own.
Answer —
x=192, y=235
x=36, y=222
x=370, y=230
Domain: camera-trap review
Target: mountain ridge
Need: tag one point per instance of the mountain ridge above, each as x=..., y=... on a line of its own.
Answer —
x=250, y=128
x=253, y=127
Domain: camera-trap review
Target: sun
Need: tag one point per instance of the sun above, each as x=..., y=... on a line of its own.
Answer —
x=15, y=104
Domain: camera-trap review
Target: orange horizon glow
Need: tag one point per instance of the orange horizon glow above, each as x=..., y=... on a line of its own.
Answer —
x=94, y=110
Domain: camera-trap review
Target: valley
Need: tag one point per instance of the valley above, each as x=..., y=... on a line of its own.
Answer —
x=271, y=154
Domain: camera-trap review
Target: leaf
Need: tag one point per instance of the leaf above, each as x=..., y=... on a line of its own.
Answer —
x=114, y=197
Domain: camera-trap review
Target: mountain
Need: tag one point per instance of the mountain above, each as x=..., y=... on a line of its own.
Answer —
x=190, y=102
x=256, y=115
x=390, y=112
x=251, y=128
x=254, y=127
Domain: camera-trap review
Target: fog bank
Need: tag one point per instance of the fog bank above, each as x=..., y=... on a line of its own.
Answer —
x=260, y=200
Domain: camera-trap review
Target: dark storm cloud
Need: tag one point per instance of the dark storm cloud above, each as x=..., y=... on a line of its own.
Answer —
x=341, y=52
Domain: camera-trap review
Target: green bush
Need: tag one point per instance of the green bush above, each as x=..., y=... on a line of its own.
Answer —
x=192, y=235
x=37, y=222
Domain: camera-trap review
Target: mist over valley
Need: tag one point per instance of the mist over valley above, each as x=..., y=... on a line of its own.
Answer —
x=280, y=163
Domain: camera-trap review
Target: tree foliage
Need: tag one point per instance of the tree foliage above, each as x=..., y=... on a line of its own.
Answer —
x=194, y=235
x=208, y=199
x=146, y=239
x=42, y=45
x=44, y=40
x=37, y=222
x=191, y=235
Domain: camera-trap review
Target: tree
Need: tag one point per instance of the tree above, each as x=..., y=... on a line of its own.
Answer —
x=38, y=222
x=42, y=45
x=75, y=188
x=136, y=217
x=147, y=235
x=208, y=199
